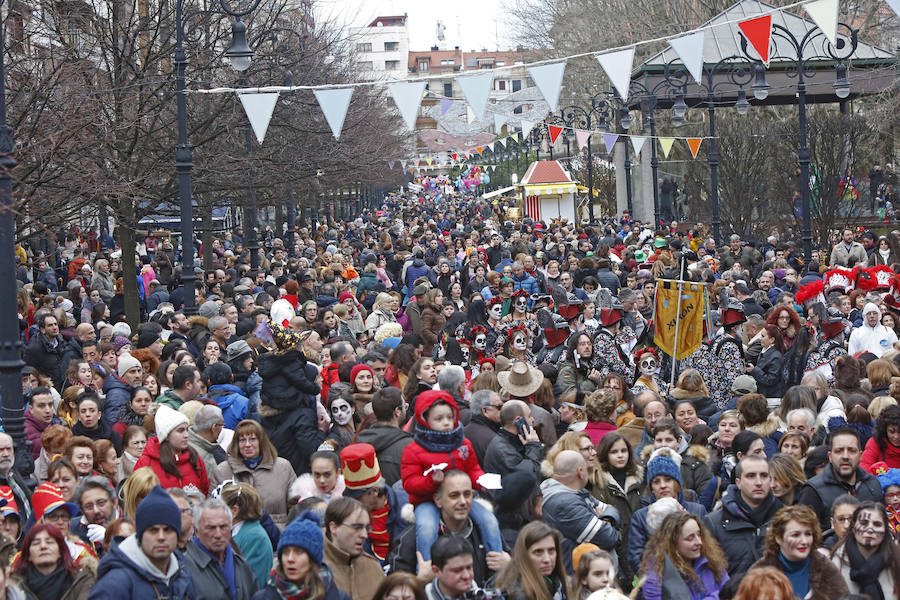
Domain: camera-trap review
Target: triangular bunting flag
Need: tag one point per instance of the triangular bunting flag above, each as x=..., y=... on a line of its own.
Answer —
x=479, y=149
x=491, y=146
x=259, y=108
x=581, y=137
x=454, y=156
x=446, y=103
x=391, y=164
x=609, y=140
x=694, y=145
x=403, y=164
x=476, y=89
x=618, y=68
x=895, y=6
x=758, y=32
x=548, y=79
x=637, y=142
x=666, y=144
x=407, y=96
x=470, y=115
x=502, y=142
x=334, y=104
x=825, y=15
x=554, y=132
x=527, y=126
x=429, y=160
x=690, y=51
x=499, y=122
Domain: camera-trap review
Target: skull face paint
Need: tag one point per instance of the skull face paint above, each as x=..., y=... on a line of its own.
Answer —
x=341, y=411
x=869, y=529
x=480, y=341
x=521, y=304
x=519, y=341
x=465, y=353
x=495, y=312
x=648, y=366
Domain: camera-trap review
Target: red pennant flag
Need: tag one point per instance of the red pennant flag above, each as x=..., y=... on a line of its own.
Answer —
x=694, y=145
x=454, y=156
x=554, y=132
x=758, y=32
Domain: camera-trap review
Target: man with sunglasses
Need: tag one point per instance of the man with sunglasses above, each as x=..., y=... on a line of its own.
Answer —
x=347, y=528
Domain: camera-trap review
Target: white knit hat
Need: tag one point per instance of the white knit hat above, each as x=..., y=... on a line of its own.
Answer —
x=127, y=362
x=166, y=420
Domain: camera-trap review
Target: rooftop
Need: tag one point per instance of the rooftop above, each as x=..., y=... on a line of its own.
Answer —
x=545, y=171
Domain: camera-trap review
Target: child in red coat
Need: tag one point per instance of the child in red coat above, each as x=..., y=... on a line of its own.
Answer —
x=439, y=440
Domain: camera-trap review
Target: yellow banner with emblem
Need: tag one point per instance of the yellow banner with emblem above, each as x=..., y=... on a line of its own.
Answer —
x=678, y=317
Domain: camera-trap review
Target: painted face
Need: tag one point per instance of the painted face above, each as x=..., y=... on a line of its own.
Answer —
x=480, y=341
x=496, y=311
x=869, y=529
x=521, y=304
x=648, y=366
x=465, y=353
x=340, y=412
x=519, y=341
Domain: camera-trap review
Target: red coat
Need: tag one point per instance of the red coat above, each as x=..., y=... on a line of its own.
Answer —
x=872, y=454
x=415, y=459
x=329, y=376
x=189, y=476
x=598, y=430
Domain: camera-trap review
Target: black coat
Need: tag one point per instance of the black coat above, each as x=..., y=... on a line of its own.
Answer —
x=47, y=359
x=480, y=431
x=767, y=373
x=389, y=442
x=285, y=382
x=820, y=492
x=103, y=431
x=741, y=540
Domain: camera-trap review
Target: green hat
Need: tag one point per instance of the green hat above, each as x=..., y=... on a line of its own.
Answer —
x=659, y=243
x=640, y=256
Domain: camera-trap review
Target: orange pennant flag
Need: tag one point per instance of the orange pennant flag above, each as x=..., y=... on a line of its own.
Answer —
x=479, y=149
x=694, y=144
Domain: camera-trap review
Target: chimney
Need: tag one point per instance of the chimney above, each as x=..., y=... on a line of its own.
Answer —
x=456, y=47
x=434, y=48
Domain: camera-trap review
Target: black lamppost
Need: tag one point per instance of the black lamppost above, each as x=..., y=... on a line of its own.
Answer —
x=240, y=55
x=625, y=122
x=10, y=343
x=800, y=52
x=576, y=116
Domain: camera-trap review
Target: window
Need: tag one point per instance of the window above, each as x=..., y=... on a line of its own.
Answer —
x=392, y=65
x=517, y=110
x=447, y=61
x=366, y=47
x=391, y=46
x=501, y=84
x=517, y=85
x=448, y=90
x=501, y=63
x=529, y=82
x=423, y=66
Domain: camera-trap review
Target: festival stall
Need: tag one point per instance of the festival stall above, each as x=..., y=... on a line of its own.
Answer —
x=548, y=192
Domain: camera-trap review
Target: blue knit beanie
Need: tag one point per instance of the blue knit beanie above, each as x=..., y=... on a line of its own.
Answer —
x=304, y=532
x=663, y=465
x=157, y=508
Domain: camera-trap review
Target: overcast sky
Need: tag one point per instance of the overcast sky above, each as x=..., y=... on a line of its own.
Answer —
x=472, y=24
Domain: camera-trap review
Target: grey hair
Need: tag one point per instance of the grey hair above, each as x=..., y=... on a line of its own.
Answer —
x=211, y=504
x=207, y=417
x=518, y=265
x=451, y=378
x=810, y=417
x=94, y=482
x=481, y=399
x=814, y=379
x=216, y=322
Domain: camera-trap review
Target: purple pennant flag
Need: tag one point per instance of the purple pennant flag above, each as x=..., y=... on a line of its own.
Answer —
x=390, y=164
x=446, y=103
x=609, y=140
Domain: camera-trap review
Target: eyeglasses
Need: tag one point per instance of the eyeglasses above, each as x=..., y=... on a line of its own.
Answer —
x=496, y=406
x=97, y=504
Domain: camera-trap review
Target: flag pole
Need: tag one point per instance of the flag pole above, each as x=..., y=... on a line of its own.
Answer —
x=675, y=348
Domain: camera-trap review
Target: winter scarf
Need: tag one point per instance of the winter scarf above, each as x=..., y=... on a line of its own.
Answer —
x=864, y=571
x=129, y=417
x=756, y=516
x=48, y=587
x=287, y=589
x=797, y=573
x=252, y=463
x=440, y=441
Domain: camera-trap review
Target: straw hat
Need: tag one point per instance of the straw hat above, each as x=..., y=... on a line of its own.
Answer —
x=521, y=380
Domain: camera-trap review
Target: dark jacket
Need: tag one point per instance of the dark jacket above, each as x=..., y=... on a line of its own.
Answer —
x=117, y=394
x=608, y=280
x=741, y=538
x=103, y=431
x=120, y=574
x=403, y=555
x=626, y=501
x=820, y=492
x=47, y=359
x=481, y=431
x=270, y=592
x=767, y=373
x=389, y=442
x=573, y=513
x=209, y=580
x=825, y=579
x=34, y=427
x=639, y=535
x=506, y=453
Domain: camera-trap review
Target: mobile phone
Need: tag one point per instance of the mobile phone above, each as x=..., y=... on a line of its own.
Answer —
x=522, y=426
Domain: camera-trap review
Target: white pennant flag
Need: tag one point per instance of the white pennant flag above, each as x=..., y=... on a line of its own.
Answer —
x=825, y=14
x=470, y=115
x=476, y=89
x=581, y=137
x=259, y=109
x=491, y=146
x=403, y=164
x=407, y=96
x=527, y=126
x=618, y=68
x=637, y=142
x=499, y=122
x=690, y=51
x=334, y=103
x=548, y=79
x=502, y=142
x=895, y=6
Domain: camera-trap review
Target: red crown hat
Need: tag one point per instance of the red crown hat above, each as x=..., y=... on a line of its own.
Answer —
x=864, y=279
x=733, y=313
x=360, y=467
x=839, y=278
x=9, y=507
x=48, y=497
x=810, y=293
x=892, y=301
x=832, y=323
x=883, y=276
x=611, y=316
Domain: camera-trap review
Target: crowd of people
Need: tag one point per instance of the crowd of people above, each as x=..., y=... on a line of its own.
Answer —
x=435, y=401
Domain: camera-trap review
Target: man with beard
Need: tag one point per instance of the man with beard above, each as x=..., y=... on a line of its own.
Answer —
x=10, y=477
x=181, y=327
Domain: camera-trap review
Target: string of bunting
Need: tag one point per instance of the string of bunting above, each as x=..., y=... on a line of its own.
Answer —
x=334, y=100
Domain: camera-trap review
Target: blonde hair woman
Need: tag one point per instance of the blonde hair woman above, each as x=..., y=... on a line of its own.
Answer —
x=579, y=442
x=136, y=488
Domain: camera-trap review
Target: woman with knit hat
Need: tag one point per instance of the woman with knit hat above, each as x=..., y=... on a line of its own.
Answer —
x=175, y=462
x=301, y=572
x=362, y=385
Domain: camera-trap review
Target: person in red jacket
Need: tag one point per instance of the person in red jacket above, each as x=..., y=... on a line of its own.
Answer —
x=440, y=444
x=884, y=446
x=175, y=462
